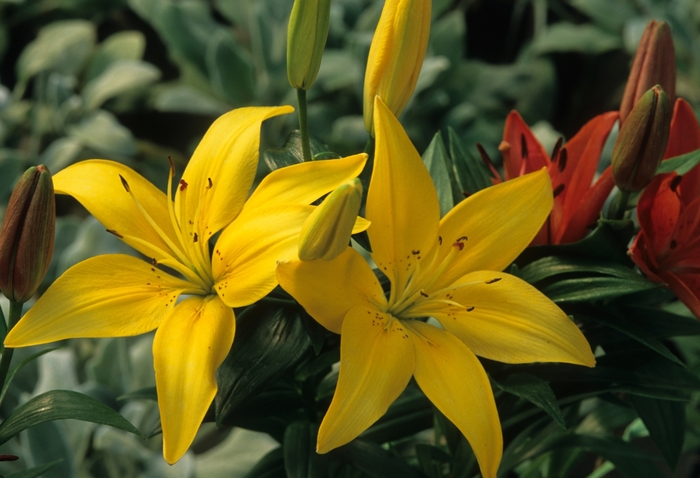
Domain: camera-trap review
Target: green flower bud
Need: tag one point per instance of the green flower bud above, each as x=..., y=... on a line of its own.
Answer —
x=27, y=235
x=306, y=39
x=326, y=232
x=642, y=140
x=654, y=64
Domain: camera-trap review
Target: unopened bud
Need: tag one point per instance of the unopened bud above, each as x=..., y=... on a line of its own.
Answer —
x=396, y=55
x=654, y=64
x=642, y=140
x=326, y=232
x=306, y=39
x=27, y=235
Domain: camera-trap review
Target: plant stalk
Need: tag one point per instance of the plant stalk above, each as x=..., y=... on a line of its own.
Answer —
x=15, y=315
x=304, y=125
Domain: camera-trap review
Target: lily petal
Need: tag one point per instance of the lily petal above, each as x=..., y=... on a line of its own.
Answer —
x=454, y=380
x=522, y=152
x=247, y=252
x=686, y=287
x=96, y=184
x=376, y=364
x=498, y=222
x=684, y=138
x=283, y=186
x=328, y=290
x=401, y=201
x=188, y=348
x=105, y=296
x=222, y=168
x=506, y=319
x=658, y=212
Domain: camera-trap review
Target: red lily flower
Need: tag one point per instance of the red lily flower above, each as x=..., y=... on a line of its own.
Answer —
x=667, y=248
x=577, y=200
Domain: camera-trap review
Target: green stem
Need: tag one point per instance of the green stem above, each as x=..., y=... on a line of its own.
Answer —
x=15, y=315
x=619, y=206
x=304, y=124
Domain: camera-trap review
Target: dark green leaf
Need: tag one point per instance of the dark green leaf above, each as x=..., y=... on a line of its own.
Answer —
x=269, y=466
x=431, y=460
x=58, y=405
x=34, y=472
x=270, y=340
x=680, y=164
x=631, y=462
x=595, y=288
x=148, y=393
x=24, y=362
x=376, y=461
x=230, y=68
x=661, y=323
x=300, y=457
x=437, y=162
x=568, y=37
x=472, y=175
x=290, y=153
x=411, y=413
x=536, y=391
x=555, y=265
x=665, y=421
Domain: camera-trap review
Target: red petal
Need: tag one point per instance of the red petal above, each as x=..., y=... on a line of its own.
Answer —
x=658, y=213
x=522, y=153
x=687, y=289
x=685, y=131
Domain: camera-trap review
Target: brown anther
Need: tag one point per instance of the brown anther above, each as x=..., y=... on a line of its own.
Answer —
x=462, y=239
x=423, y=294
x=469, y=309
x=183, y=185
x=112, y=231
x=415, y=253
x=440, y=240
x=154, y=262
x=124, y=183
x=458, y=245
x=196, y=237
x=523, y=147
x=493, y=280
x=211, y=184
x=172, y=165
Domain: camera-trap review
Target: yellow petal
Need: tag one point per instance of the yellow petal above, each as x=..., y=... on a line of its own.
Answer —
x=247, y=252
x=376, y=364
x=304, y=183
x=105, y=296
x=188, y=348
x=510, y=321
x=454, y=380
x=96, y=184
x=499, y=222
x=401, y=202
x=222, y=168
x=329, y=289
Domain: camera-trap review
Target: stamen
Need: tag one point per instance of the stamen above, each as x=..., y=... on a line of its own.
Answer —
x=523, y=147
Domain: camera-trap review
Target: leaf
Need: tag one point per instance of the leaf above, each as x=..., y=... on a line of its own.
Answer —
x=411, y=413
x=269, y=466
x=661, y=323
x=24, y=362
x=184, y=99
x=34, y=472
x=270, y=340
x=680, y=164
x=120, y=77
x=431, y=460
x=102, y=132
x=291, y=153
x=148, y=393
x=437, y=162
x=126, y=45
x=594, y=288
x=300, y=457
x=471, y=173
x=555, y=265
x=376, y=461
x=59, y=405
x=568, y=37
x=665, y=421
x=536, y=391
x=230, y=69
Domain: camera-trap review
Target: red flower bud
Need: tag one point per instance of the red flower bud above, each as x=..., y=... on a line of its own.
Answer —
x=642, y=141
x=27, y=235
x=654, y=64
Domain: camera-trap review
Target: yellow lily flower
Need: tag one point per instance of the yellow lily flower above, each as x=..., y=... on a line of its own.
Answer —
x=120, y=295
x=448, y=269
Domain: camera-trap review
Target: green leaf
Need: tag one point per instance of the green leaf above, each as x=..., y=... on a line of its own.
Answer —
x=665, y=421
x=148, y=393
x=185, y=99
x=437, y=162
x=300, y=457
x=431, y=460
x=24, y=362
x=102, y=132
x=35, y=471
x=680, y=164
x=375, y=461
x=536, y=391
x=270, y=340
x=269, y=466
x=59, y=405
x=120, y=77
x=411, y=413
x=595, y=288
x=230, y=69
x=661, y=323
x=126, y=45
x=291, y=153
x=472, y=175
x=568, y=37
x=555, y=265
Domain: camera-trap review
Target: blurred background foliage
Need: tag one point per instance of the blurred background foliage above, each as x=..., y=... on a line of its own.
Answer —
x=139, y=80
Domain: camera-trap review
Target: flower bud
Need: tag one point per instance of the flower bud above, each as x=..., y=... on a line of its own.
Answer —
x=396, y=55
x=642, y=140
x=654, y=64
x=306, y=39
x=326, y=232
x=27, y=235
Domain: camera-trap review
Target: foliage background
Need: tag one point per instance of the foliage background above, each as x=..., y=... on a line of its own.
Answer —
x=138, y=80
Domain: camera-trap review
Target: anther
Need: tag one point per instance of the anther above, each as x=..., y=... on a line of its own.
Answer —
x=675, y=182
x=211, y=184
x=424, y=294
x=469, y=309
x=462, y=239
x=124, y=183
x=183, y=185
x=523, y=146
x=458, y=245
x=493, y=280
x=172, y=165
x=415, y=253
x=440, y=240
x=196, y=238
x=154, y=262
x=112, y=231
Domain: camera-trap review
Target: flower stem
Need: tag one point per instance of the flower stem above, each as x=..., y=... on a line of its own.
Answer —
x=304, y=125
x=15, y=315
x=619, y=206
